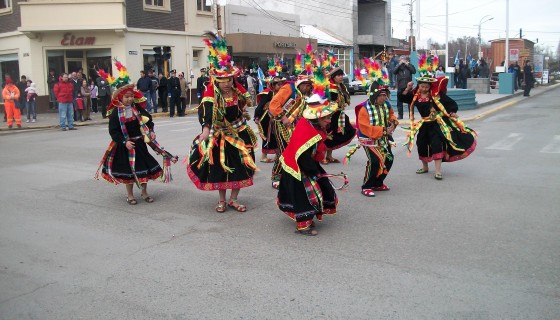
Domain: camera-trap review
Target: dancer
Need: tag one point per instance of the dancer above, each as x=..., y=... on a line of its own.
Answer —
x=441, y=136
x=305, y=192
x=287, y=106
x=375, y=122
x=262, y=117
x=127, y=159
x=340, y=131
x=222, y=156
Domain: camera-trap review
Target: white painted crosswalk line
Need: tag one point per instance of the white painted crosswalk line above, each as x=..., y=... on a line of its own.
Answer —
x=553, y=146
x=507, y=143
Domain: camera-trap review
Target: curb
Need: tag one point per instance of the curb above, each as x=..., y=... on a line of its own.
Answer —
x=506, y=105
x=88, y=123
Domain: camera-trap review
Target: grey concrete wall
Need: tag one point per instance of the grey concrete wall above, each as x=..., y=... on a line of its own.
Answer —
x=479, y=85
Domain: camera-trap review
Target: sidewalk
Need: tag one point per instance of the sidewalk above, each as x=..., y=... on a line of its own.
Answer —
x=487, y=104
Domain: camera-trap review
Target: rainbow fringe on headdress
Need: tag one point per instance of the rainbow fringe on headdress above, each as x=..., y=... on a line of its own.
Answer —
x=427, y=65
x=218, y=58
x=304, y=62
x=320, y=80
x=272, y=68
x=122, y=79
x=297, y=64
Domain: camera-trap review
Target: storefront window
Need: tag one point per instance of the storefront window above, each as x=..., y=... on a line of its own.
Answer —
x=97, y=59
x=72, y=60
x=9, y=64
x=158, y=63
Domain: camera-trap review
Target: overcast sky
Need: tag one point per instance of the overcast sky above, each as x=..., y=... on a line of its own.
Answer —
x=538, y=19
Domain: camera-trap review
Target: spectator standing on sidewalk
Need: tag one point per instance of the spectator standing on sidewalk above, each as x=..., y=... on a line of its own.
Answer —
x=528, y=78
x=201, y=83
x=392, y=65
x=184, y=87
x=22, y=101
x=517, y=69
x=103, y=95
x=153, y=92
x=483, y=69
x=11, y=94
x=51, y=81
x=93, y=89
x=404, y=72
x=64, y=91
x=174, y=93
x=31, y=96
x=162, y=92
x=86, y=96
x=144, y=85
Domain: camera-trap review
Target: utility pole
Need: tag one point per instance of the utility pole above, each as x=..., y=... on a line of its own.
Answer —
x=412, y=40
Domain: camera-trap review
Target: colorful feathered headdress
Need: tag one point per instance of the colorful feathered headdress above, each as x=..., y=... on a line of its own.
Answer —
x=304, y=62
x=375, y=73
x=274, y=67
x=427, y=66
x=318, y=105
x=220, y=62
x=330, y=61
x=122, y=85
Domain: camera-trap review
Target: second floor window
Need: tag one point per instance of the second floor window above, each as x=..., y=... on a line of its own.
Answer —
x=5, y=6
x=156, y=5
x=204, y=5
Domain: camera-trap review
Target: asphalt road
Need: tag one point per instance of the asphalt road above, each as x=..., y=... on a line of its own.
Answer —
x=481, y=244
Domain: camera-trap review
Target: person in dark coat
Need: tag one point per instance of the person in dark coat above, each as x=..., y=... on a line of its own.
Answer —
x=162, y=92
x=404, y=72
x=201, y=83
x=528, y=78
x=174, y=93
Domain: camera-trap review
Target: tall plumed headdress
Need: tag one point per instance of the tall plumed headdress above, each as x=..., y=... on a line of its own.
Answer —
x=376, y=74
x=121, y=85
x=274, y=68
x=304, y=65
x=318, y=105
x=330, y=61
x=427, y=66
x=219, y=61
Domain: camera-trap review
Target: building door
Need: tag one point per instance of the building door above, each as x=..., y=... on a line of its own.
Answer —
x=73, y=65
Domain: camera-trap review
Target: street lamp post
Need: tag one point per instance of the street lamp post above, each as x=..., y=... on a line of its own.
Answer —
x=479, y=37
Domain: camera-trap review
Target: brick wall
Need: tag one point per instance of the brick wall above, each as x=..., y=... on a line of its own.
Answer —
x=10, y=22
x=137, y=17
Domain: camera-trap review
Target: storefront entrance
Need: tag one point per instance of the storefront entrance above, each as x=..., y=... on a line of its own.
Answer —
x=73, y=60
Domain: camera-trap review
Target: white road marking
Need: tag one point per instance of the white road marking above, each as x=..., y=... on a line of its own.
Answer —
x=506, y=143
x=553, y=146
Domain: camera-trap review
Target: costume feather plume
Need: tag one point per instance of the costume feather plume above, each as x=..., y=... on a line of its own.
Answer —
x=358, y=76
x=279, y=65
x=218, y=57
x=309, y=59
x=271, y=68
x=109, y=78
x=320, y=80
x=297, y=65
x=427, y=65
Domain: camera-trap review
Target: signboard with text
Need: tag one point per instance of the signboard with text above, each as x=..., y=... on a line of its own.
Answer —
x=513, y=54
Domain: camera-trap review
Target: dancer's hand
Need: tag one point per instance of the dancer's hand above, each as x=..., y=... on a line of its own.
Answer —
x=286, y=122
x=204, y=135
x=130, y=145
x=152, y=135
x=453, y=115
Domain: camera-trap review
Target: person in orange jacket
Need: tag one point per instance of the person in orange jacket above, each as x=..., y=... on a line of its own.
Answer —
x=11, y=94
